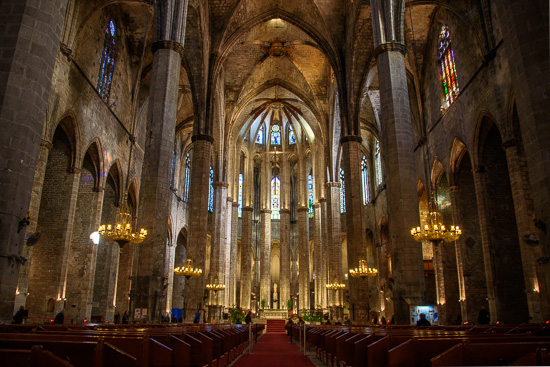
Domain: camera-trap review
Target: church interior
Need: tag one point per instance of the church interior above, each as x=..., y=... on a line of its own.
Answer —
x=363, y=158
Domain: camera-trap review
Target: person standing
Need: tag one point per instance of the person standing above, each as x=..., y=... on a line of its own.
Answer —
x=59, y=318
x=125, y=317
x=248, y=318
x=483, y=318
x=19, y=315
x=197, y=318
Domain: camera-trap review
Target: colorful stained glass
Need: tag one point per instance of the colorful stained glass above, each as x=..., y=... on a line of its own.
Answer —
x=449, y=80
x=107, y=63
x=365, y=178
x=342, y=192
x=275, y=198
x=173, y=170
x=310, y=194
x=260, y=136
x=211, y=191
x=378, y=165
x=291, y=136
x=187, y=178
x=275, y=135
x=240, y=207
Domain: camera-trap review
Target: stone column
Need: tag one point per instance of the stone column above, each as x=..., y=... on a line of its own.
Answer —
x=398, y=160
x=233, y=252
x=524, y=30
x=156, y=195
x=324, y=250
x=334, y=244
x=29, y=48
x=246, y=258
x=303, y=260
x=265, y=257
x=198, y=221
x=284, y=235
x=217, y=257
x=318, y=255
x=355, y=222
x=522, y=204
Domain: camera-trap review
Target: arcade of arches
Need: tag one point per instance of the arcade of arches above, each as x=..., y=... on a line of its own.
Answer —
x=275, y=143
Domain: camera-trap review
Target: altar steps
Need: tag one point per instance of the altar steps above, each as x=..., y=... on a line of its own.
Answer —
x=275, y=326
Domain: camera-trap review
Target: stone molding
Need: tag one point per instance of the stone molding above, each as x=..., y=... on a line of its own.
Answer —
x=509, y=143
x=284, y=211
x=168, y=45
x=332, y=184
x=390, y=46
x=46, y=144
x=316, y=205
x=322, y=200
x=206, y=137
x=350, y=138
x=265, y=211
x=220, y=184
x=247, y=209
x=303, y=209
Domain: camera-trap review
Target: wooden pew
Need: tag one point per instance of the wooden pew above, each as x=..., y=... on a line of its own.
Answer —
x=36, y=356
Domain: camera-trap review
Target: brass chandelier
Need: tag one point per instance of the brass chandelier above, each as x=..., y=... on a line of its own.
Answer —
x=121, y=231
x=363, y=271
x=335, y=286
x=187, y=270
x=215, y=286
x=435, y=231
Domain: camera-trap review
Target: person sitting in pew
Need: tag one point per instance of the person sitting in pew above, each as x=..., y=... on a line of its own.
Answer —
x=19, y=315
x=423, y=321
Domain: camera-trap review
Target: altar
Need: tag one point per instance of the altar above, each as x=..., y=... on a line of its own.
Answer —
x=275, y=314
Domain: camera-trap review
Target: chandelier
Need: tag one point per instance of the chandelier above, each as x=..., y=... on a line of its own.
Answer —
x=215, y=286
x=121, y=231
x=435, y=231
x=335, y=286
x=188, y=270
x=363, y=271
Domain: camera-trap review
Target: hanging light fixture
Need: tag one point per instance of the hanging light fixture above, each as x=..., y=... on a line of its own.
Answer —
x=363, y=271
x=335, y=286
x=187, y=270
x=215, y=285
x=121, y=231
x=434, y=230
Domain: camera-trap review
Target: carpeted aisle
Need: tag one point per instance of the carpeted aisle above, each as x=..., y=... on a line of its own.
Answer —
x=273, y=349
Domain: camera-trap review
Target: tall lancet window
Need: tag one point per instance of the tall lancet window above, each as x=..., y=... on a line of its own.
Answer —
x=275, y=198
x=260, y=136
x=291, y=136
x=310, y=194
x=107, y=63
x=173, y=171
x=365, y=177
x=449, y=80
x=378, y=166
x=187, y=178
x=275, y=135
x=240, y=207
x=211, y=191
x=342, y=192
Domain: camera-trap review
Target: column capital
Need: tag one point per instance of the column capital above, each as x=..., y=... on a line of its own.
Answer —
x=247, y=209
x=303, y=209
x=322, y=200
x=316, y=205
x=453, y=188
x=512, y=142
x=332, y=184
x=265, y=211
x=285, y=211
x=46, y=144
x=168, y=45
x=235, y=204
x=390, y=46
x=350, y=138
x=220, y=184
x=229, y=198
x=206, y=137
x=479, y=169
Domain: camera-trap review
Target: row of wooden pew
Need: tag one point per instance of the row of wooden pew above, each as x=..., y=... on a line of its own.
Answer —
x=152, y=345
x=358, y=346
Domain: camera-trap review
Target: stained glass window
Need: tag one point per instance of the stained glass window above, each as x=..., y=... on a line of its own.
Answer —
x=378, y=165
x=275, y=198
x=187, y=177
x=211, y=191
x=365, y=177
x=291, y=136
x=240, y=207
x=310, y=194
x=448, y=70
x=342, y=192
x=275, y=135
x=260, y=136
x=173, y=170
x=107, y=63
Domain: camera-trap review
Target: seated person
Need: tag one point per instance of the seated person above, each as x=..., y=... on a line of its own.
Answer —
x=422, y=321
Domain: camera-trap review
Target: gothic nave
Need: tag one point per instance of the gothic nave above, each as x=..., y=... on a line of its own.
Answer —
x=277, y=144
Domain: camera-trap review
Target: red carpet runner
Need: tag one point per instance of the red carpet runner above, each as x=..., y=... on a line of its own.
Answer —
x=274, y=350
x=275, y=326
